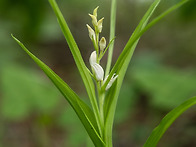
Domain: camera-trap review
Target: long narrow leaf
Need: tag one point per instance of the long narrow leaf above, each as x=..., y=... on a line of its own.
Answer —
x=131, y=41
x=161, y=16
x=166, y=122
x=141, y=29
x=120, y=68
x=78, y=59
x=112, y=35
x=83, y=111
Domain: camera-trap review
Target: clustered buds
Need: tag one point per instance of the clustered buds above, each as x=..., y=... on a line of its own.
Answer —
x=98, y=25
x=100, y=46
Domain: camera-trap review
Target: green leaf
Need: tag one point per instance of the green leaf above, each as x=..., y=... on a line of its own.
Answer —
x=112, y=34
x=123, y=61
x=131, y=44
x=88, y=82
x=166, y=122
x=120, y=68
x=139, y=31
x=161, y=16
x=83, y=111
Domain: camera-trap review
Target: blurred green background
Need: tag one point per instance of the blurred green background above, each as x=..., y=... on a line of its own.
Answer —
x=162, y=73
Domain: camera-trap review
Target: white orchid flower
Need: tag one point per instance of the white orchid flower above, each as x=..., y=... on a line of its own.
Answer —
x=99, y=72
x=97, y=69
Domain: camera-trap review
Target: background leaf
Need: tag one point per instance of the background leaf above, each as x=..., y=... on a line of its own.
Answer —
x=167, y=121
x=90, y=88
x=82, y=110
x=121, y=66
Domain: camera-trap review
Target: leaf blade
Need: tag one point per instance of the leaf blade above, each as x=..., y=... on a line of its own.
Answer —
x=166, y=122
x=120, y=68
x=122, y=63
x=87, y=80
x=128, y=48
x=82, y=110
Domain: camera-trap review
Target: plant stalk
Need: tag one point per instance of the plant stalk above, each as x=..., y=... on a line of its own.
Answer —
x=112, y=35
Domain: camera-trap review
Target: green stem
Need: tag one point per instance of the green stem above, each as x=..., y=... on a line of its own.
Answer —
x=95, y=46
x=112, y=34
x=101, y=103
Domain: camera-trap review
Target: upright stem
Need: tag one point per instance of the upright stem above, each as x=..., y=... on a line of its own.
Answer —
x=101, y=96
x=112, y=35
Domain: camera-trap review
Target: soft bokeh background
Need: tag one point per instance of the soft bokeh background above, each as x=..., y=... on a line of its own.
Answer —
x=162, y=73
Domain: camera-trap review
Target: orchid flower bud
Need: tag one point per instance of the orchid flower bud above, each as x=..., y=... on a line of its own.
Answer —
x=95, y=11
x=93, y=58
x=94, y=20
x=91, y=32
x=102, y=43
x=100, y=24
x=111, y=81
x=99, y=72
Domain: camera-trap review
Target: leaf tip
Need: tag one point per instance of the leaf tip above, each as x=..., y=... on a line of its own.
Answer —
x=15, y=38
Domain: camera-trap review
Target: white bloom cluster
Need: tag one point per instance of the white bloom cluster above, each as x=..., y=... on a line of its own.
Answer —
x=99, y=72
x=100, y=46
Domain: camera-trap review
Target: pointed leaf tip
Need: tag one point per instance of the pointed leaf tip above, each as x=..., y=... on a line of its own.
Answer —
x=15, y=38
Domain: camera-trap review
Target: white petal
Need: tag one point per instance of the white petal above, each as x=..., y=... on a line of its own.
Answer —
x=99, y=73
x=93, y=58
x=111, y=81
x=105, y=79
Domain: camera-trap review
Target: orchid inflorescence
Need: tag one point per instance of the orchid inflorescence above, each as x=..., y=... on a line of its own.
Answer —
x=100, y=50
